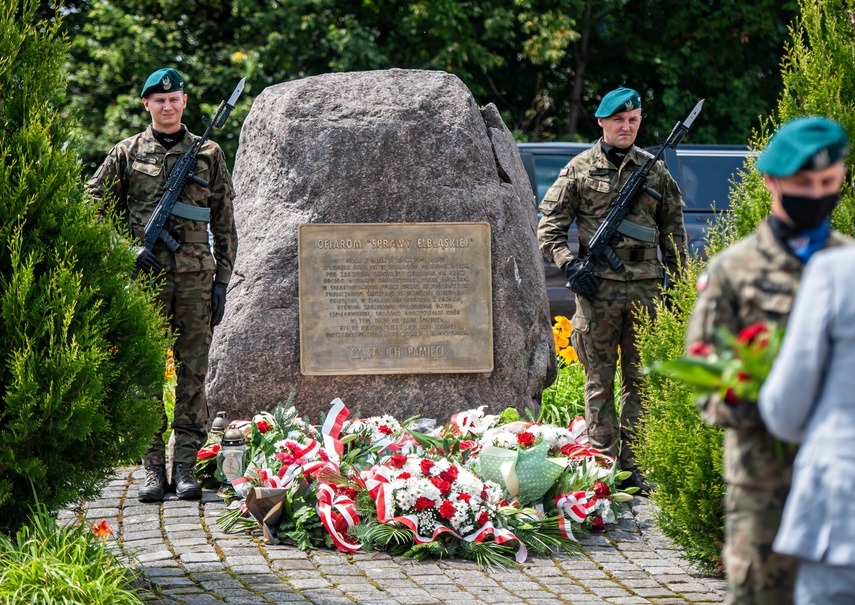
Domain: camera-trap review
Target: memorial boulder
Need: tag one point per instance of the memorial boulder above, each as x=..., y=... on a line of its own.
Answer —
x=422, y=284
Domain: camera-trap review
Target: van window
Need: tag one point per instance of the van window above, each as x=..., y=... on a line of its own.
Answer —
x=705, y=181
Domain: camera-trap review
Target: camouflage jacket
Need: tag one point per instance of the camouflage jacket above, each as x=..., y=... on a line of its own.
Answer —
x=133, y=177
x=752, y=281
x=583, y=192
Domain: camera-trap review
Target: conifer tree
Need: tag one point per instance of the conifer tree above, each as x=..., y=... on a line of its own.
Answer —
x=685, y=454
x=82, y=348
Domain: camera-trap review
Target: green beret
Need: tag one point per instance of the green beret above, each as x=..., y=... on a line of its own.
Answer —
x=620, y=99
x=811, y=143
x=163, y=80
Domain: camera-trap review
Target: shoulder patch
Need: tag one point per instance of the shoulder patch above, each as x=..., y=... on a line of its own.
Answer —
x=703, y=280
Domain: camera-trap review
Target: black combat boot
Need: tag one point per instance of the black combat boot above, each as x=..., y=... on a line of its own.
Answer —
x=154, y=486
x=184, y=481
x=636, y=479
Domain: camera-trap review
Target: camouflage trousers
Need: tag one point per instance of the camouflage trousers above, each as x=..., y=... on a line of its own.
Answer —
x=599, y=328
x=185, y=298
x=755, y=574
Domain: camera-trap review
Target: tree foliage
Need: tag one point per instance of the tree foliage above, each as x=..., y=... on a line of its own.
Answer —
x=544, y=63
x=818, y=77
x=82, y=346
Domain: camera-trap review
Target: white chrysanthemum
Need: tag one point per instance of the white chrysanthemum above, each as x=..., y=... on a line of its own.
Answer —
x=441, y=465
x=468, y=483
x=413, y=466
x=504, y=439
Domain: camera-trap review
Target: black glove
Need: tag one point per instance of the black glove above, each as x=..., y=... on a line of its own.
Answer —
x=218, y=303
x=580, y=279
x=147, y=261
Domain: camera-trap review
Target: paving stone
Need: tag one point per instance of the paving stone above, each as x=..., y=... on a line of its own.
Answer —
x=308, y=583
x=286, y=565
x=202, y=599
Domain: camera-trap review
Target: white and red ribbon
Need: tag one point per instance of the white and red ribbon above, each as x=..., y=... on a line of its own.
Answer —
x=576, y=506
x=333, y=507
x=332, y=427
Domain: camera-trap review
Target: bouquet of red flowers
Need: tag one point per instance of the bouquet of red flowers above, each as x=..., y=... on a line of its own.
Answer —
x=735, y=369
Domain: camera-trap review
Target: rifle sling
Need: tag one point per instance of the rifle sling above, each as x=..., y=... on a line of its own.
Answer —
x=193, y=213
x=632, y=255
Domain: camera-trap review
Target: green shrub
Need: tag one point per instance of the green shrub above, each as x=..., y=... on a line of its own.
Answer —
x=683, y=454
x=680, y=454
x=49, y=563
x=82, y=348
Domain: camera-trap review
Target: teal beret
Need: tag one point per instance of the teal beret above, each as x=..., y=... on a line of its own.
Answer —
x=620, y=99
x=163, y=80
x=811, y=143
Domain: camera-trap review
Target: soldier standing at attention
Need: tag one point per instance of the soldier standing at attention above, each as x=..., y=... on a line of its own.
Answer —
x=605, y=317
x=193, y=284
x=755, y=280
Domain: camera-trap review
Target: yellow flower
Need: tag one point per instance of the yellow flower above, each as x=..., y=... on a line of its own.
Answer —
x=561, y=341
x=568, y=355
x=563, y=324
x=170, y=366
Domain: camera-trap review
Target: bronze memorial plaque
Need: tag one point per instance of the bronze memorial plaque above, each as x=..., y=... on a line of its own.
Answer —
x=395, y=298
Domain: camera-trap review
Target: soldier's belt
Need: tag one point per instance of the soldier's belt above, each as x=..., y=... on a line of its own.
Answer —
x=189, y=237
x=632, y=255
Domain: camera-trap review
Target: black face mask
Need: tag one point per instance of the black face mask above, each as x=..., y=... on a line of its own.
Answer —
x=808, y=212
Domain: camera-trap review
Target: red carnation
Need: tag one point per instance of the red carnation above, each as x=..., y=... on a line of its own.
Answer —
x=283, y=457
x=426, y=465
x=601, y=490
x=450, y=474
x=483, y=518
x=423, y=503
x=263, y=426
x=346, y=491
x=446, y=510
x=464, y=497
x=403, y=476
x=749, y=334
x=398, y=460
x=597, y=523
x=525, y=439
x=484, y=492
x=384, y=429
x=731, y=397
x=443, y=486
x=700, y=349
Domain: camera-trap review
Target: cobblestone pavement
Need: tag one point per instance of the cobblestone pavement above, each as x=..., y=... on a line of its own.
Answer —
x=191, y=562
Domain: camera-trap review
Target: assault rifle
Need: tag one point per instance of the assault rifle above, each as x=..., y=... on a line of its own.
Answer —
x=181, y=173
x=632, y=189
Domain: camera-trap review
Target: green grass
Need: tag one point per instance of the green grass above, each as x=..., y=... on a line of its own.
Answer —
x=48, y=563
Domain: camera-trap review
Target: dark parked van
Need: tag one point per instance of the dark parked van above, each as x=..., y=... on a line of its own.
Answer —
x=703, y=172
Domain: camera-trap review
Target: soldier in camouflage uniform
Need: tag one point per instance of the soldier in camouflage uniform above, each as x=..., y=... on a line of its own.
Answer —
x=755, y=280
x=193, y=284
x=605, y=317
